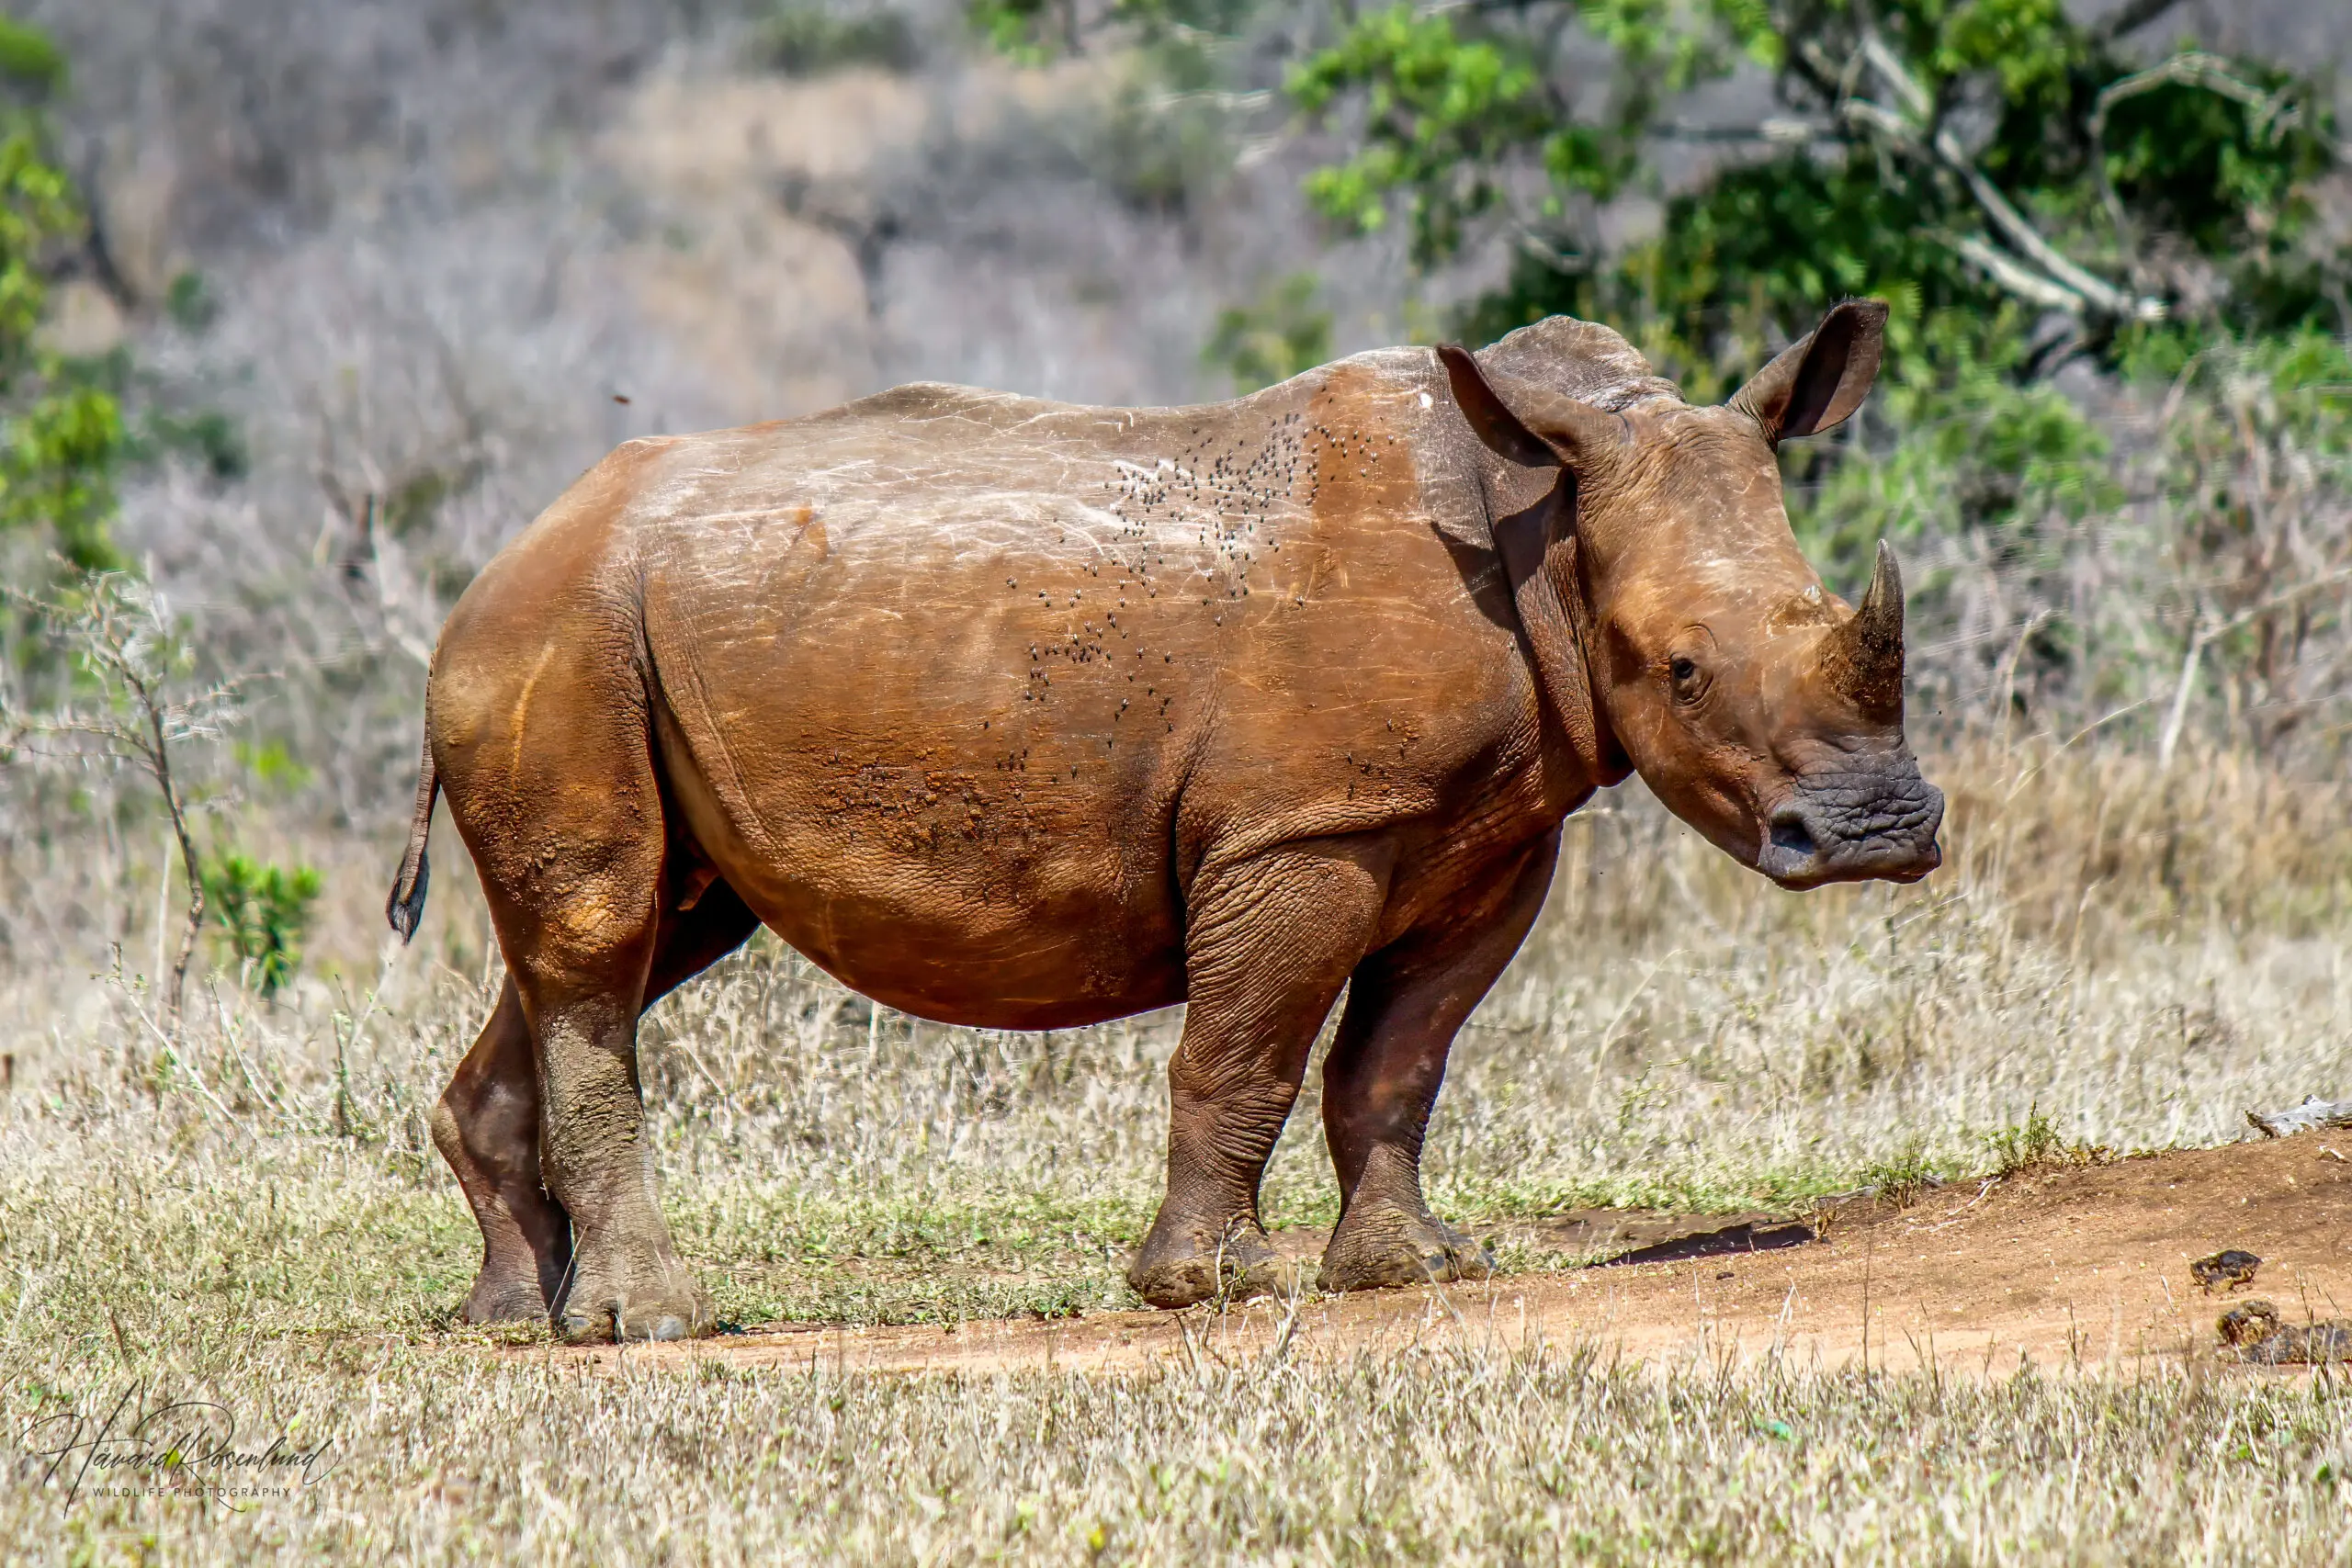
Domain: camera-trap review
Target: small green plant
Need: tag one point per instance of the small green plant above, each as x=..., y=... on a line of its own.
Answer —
x=189, y=302
x=271, y=764
x=1274, y=339
x=29, y=57
x=1903, y=1176
x=207, y=437
x=264, y=911
x=1033, y=32
x=2035, y=1145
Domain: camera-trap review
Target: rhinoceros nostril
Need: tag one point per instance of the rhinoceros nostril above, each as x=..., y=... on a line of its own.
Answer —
x=1791, y=832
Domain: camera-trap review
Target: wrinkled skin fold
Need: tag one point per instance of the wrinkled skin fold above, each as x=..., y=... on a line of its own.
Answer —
x=1026, y=716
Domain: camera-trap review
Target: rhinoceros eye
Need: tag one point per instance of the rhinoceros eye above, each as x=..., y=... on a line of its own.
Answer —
x=1684, y=671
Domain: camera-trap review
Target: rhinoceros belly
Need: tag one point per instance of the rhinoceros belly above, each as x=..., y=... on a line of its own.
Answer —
x=951, y=778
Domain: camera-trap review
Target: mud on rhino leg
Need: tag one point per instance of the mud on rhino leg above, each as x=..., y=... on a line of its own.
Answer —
x=1381, y=1079
x=486, y=1127
x=627, y=1281
x=583, y=999
x=1268, y=943
x=565, y=819
x=487, y=1124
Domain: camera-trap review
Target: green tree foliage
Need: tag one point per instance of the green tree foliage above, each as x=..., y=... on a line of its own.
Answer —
x=61, y=433
x=2028, y=195
x=1986, y=157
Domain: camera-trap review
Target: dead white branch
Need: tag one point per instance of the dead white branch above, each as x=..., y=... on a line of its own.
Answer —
x=1914, y=127
x=2209, y=630
x=2311, y=1115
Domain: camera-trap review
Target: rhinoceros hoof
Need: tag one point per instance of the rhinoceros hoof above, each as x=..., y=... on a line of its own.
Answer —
x=1188, y=1282
x=505, y=1300
x=591, y=1317
x=1182, y=1264
x=1401, y=1249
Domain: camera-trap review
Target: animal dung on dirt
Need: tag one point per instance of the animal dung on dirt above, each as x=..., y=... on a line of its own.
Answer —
x=2253, y=1329
x=2230, y=1269
x=2247, y=1323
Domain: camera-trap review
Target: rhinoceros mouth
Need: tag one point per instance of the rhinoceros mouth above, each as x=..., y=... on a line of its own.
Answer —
x=1878, y=825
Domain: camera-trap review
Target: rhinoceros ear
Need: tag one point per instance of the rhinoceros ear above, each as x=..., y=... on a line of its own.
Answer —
x=1819, y=381
x=1526, y=425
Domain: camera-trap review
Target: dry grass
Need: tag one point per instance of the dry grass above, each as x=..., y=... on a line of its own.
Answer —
x=1468, y=1458
x=2129, y=956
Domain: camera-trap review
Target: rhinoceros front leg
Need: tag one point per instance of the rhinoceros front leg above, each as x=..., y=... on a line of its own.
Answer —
x=1382, y=1073
x=1269, y=941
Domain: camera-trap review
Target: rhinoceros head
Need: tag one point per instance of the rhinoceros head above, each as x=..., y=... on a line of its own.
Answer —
x=1759, y=707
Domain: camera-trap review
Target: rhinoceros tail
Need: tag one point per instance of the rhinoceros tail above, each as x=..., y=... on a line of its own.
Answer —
x=405, y=907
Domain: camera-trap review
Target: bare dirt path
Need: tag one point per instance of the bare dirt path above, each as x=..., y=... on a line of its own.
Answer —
x=2070, y=1267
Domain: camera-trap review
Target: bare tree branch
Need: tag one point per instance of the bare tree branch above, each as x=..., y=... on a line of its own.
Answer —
x=2130, y=17
x=118, y=630
x=2208, y=631
x=2023, y=282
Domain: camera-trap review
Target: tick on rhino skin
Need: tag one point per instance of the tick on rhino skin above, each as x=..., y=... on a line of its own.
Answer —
x=679, y=724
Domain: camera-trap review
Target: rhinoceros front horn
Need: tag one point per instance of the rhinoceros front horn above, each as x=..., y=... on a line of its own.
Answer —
x=1863, y=658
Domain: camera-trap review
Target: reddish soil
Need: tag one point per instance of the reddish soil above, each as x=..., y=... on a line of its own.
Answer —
x=2075, y=1268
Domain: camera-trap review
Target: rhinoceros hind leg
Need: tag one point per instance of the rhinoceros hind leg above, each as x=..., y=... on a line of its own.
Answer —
x=1403, y=1006
x=627, y=1279
x=486, y=1127
x=1269, y=941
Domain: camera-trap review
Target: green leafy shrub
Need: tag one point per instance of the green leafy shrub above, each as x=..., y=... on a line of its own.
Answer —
x=1274, y=339
x=264, y=912
x=1998, y=172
